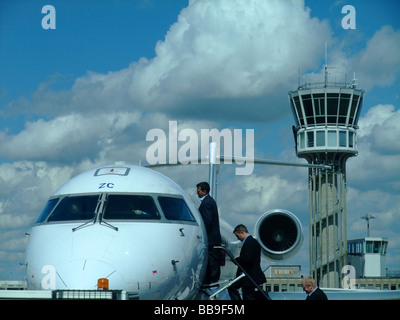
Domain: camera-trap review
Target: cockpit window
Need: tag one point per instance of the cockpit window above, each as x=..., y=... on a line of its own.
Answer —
x=115, y=207
x=175, y=209
x=75, y=208
x=47, y=209
x=130, y=207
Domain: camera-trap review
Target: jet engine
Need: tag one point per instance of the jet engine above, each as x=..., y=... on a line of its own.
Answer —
x=279, y=233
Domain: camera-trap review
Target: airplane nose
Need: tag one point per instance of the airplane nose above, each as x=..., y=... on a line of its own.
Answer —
x=83, y=274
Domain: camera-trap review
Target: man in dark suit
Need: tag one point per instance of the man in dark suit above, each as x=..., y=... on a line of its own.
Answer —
x=209, y=212
x=249, y=259
x=313, y=291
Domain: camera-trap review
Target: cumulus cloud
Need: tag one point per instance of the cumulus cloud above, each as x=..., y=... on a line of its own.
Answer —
x=377, y=64
x=231, y=49
x=69, y=138
x=379, y=151
x=375, y=117
x=27, y=187
x=386, y=135
x=219, y=57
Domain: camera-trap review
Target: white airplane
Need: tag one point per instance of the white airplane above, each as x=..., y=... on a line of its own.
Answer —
x=143, y=233
x=139, y=230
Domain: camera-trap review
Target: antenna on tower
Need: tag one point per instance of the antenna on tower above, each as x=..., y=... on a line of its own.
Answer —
x=368, y=217
x=326, y=64
x=326, y=55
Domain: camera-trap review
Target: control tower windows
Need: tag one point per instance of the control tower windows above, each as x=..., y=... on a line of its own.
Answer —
x=332, y=140
x=302, y=141
x=342, y=139
x=332, y=107
x=367, y=245
x=319, y=106
x=351, y=139
x=343, y=107
x=308, y=108
x=320, y=138
x=324, y=107
x=299, y=113
x=310, y=139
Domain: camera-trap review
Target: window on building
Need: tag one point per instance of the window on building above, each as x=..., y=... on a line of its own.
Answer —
x=308, y=108
x=343, y=107
x=384, y=247
x=353, y=108
x=319, y=106
x=332, y=140
x=320, y=138
x=310, y=139
x=377, y=247
x=298, y=109
x=332, y=107
x=342, y=139
x=351, y=139
x=302, y=140
x=368, y=247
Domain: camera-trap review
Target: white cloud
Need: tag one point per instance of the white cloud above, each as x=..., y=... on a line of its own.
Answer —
x=27, y=187
x=377, y=167
x=379, y=63
x=376, y=116
x=219, y=57
x=375, y=65
x=228, y=49
x=69, y=138
x=250, y=47
x=386, y=135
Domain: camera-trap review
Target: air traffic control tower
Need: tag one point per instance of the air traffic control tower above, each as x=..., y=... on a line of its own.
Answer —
x=326, y=116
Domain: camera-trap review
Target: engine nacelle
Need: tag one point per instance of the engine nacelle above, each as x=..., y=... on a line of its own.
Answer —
x=279, y=233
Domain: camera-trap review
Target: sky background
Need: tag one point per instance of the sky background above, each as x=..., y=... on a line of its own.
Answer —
x=86, y=94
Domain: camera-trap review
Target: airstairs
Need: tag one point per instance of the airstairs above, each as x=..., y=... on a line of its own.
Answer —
x=214, y=291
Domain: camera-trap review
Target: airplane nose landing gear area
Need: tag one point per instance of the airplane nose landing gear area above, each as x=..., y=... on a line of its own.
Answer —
x=85, y=273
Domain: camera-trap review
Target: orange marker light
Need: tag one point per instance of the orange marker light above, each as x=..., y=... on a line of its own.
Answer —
x=102, y=284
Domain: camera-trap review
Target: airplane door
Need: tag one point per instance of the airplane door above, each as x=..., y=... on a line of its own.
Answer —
x=189, y=260
x=189, y=256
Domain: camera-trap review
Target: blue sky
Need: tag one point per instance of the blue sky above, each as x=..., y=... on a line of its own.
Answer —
x=86, y=93
x=111, y=34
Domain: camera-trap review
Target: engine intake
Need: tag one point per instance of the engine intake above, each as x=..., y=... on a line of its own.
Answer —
x=279, y=233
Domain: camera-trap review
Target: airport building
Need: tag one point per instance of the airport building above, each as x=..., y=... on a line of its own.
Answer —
x=325, y=131
x=283, y=278
x=12, y=285
x=366, y=255
x=326, y=121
